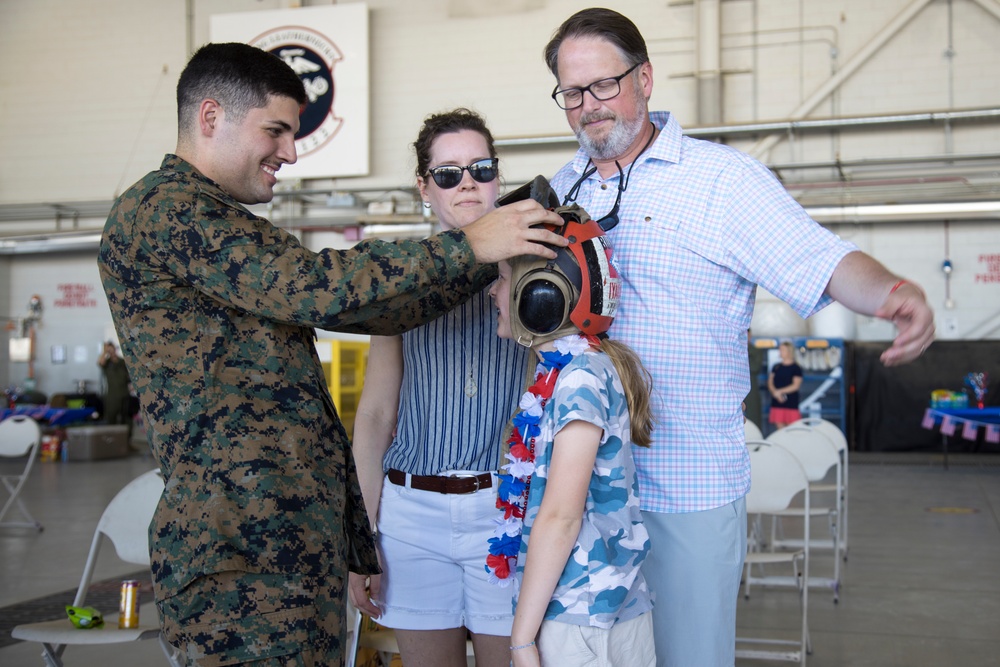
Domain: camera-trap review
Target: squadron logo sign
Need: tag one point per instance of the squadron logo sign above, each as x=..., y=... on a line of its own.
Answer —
x=330, y=56
x=313, y=57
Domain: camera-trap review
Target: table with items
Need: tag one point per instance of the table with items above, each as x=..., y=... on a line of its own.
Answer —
x=967, y=421
x=49, y=415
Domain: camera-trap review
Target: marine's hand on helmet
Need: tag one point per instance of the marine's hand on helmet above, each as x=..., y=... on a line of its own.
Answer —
x=514, y=230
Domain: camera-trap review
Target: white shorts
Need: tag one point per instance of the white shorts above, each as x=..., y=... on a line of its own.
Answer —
x=625, y=644
x=434, y=549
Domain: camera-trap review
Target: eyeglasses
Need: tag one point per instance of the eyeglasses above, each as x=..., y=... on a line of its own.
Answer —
x=605, y=89
x=450, y=175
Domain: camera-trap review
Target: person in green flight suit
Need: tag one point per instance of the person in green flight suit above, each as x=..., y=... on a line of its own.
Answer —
x=116, y=381
x=261, y=518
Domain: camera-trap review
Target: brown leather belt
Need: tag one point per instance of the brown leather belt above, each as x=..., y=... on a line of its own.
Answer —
x=458, y=483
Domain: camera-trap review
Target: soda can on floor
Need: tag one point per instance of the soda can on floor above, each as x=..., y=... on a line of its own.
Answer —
x=128, y=608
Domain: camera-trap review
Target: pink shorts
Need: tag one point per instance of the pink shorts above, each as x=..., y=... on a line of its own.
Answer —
x=784, y=415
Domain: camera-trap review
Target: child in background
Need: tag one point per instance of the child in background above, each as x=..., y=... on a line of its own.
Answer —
x=571, y=524
x=784, y=382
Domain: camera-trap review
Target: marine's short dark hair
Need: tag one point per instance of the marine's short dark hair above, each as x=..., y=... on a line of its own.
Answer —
x=605, y=24
x=238, y=76
x=443, y=123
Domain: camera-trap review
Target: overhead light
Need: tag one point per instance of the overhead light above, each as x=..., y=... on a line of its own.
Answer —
x=341, y=200
x=976, y=210
x=43, y=243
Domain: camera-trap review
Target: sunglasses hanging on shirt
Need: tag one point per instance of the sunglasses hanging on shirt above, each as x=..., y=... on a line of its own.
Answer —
x=610, y=221
x=450, y=175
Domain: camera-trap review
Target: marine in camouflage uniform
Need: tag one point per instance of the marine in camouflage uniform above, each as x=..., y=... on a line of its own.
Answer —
x=262, y=515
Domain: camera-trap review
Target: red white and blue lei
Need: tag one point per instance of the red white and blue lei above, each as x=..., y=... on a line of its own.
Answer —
x=512, y=491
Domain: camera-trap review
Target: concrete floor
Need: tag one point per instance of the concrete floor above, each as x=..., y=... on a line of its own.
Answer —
x=921, y=586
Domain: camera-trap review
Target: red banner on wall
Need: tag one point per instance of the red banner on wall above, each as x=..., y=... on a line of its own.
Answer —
x=75, y=295
x=991, y=269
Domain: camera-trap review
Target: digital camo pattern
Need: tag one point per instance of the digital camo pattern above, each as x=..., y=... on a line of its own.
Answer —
x=215, y=309
x=601, y=584
x=257, y=619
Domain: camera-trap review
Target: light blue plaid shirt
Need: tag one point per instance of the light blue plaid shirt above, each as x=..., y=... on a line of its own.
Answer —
x=701, y=225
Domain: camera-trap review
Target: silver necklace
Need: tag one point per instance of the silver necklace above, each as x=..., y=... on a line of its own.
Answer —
x=470, y=387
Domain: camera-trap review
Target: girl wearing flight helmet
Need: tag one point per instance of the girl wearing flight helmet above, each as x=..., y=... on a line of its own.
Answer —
x=571, y=538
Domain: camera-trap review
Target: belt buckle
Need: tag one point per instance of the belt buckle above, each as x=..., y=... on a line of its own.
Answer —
x=466, y=475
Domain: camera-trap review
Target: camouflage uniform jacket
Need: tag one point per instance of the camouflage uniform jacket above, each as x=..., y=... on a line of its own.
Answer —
x=215, y=310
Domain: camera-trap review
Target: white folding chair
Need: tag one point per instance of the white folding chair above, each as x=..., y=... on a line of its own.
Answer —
x=776, y=478
x=125, y=522
x=819, y=458
x=840, y=487
x=19, y=436
x=751, y=431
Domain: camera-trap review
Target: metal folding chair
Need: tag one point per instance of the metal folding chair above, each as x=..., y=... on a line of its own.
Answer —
x=776, y=478
x=19, y=437
x=125, y=522
x=820, y=459
x=840, y=487
x=751, y=431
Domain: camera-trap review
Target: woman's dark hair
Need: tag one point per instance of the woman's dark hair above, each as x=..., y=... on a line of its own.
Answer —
x=238, y=76
x=443, y=123
x=605, y=24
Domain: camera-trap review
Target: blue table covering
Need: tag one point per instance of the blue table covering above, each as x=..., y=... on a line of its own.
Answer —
x=51, y=416
x=970, y=420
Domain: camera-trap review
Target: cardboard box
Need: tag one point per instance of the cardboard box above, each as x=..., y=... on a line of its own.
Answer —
x=89, y=443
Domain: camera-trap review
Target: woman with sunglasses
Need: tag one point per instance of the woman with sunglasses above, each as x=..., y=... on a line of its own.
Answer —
x=427, y=437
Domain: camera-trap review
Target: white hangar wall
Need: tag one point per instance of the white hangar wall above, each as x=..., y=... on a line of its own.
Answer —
x=88, y=87
x=87, y=107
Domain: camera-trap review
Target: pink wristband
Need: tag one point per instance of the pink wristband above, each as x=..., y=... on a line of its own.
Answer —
x=897, y=286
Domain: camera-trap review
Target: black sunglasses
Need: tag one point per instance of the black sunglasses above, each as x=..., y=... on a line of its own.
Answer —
x=610, y=221
x=449, y=175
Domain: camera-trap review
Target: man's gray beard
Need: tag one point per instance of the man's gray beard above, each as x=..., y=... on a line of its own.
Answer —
x=616, y=143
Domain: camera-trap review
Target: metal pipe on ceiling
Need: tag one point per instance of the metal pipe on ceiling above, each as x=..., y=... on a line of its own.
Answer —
x=783, y=127
x=846, y=71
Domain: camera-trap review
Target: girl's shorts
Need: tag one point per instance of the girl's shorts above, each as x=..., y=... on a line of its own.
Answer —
x=627, y=643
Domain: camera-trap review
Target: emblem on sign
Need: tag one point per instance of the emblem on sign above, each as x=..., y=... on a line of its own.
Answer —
x=313, y=57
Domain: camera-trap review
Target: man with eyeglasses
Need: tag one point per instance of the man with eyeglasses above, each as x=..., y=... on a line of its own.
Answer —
x=696, y=227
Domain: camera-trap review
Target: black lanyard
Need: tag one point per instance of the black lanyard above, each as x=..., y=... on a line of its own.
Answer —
x=610, y=221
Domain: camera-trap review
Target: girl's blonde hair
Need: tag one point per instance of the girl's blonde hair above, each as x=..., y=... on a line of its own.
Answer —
x=638, y=384
x=636, y=380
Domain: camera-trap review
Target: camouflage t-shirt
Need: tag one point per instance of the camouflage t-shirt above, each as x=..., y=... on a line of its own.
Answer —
x=601, y=584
